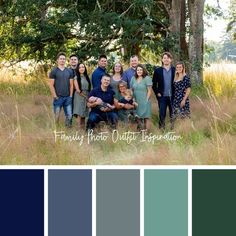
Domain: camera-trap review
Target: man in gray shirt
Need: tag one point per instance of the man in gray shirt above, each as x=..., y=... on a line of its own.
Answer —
x=167, y=74
x=163, y=81
x=61, y=87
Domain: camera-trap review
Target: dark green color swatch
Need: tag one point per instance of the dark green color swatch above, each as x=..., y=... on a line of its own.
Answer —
x=214, y=202
x=165, y=203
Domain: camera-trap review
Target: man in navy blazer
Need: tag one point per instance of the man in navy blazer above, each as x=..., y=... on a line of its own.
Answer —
x=163, y=87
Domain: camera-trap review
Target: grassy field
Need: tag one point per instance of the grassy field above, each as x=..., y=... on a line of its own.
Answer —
x=27, y=129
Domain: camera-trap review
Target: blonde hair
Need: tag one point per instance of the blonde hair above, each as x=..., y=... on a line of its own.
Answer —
x=177, y=76
x=128, y=92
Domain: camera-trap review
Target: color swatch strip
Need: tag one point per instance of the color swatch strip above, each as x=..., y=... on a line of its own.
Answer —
x=117, y=202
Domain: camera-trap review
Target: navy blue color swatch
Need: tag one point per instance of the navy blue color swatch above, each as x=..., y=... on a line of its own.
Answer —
x=22, y=202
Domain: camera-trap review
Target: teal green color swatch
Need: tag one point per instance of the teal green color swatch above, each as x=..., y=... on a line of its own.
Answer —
x=166, y=203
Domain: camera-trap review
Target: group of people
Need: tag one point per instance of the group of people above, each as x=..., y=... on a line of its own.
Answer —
x=122, y=96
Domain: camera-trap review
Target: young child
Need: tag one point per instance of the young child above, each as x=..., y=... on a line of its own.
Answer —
x=101, y=104
x=128, y=99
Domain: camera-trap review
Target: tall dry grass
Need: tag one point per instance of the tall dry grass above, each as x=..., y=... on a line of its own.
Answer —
x=220, y=79
x=27, y=128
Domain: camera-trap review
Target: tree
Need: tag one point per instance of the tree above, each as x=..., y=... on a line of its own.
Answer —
x=196, y=10
x=191, y=52
x=232, y=24
x=35, y=29
x=176, y=32
x=38, y=29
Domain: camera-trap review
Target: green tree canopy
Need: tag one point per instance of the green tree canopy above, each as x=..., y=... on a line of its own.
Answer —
x=37, y=30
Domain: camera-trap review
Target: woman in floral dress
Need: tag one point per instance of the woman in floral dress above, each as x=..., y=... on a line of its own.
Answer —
x=182, y=89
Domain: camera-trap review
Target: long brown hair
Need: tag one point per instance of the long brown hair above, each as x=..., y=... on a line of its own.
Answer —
x=121, y=69
x=145, y=73
x=177, y=76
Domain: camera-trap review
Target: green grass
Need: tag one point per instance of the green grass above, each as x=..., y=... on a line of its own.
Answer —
x=35, y=86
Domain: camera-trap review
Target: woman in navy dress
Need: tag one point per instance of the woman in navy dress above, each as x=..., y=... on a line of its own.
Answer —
x=182, y=89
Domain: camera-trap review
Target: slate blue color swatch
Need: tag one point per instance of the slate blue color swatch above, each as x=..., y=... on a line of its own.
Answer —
x=70, y=202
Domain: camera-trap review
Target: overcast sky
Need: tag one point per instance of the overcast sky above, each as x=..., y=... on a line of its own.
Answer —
x=218, y=27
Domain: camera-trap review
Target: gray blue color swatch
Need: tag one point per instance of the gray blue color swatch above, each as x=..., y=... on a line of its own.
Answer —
x=118, y=203
x=70, y=203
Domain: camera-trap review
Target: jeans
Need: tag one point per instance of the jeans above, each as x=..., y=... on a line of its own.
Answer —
x=66, y=103
x=163, y=103
x=96, y=116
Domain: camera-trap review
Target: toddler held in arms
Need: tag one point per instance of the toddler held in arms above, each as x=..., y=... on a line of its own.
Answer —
x=128, y=99
x=100, y=103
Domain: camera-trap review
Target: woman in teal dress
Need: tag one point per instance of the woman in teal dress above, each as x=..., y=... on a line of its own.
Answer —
x=82, y=88
x=141, y=85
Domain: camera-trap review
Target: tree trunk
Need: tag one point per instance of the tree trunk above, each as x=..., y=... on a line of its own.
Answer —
x=183, y=44
x=176, y=35
x=196, y=10
x=177, y=16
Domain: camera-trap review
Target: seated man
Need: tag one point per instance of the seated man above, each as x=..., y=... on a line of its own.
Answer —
x=97, y=112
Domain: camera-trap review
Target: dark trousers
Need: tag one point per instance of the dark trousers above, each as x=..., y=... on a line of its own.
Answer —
x=96, y=116
x=163, y=103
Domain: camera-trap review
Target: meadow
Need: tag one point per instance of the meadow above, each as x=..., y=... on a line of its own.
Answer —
x=27, y=128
